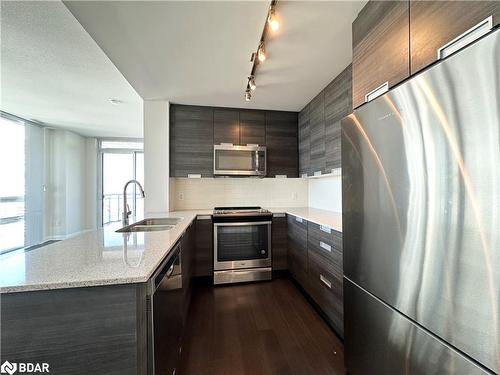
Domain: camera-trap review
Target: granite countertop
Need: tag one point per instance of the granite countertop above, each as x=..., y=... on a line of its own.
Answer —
x=92, y=258
x=105, y=257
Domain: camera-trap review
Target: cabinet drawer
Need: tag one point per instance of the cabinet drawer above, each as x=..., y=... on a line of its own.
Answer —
x=325, y=242
x=325, y=287
x=295, y=222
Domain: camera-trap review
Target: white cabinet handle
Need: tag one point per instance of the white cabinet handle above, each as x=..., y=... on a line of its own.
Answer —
x=474, y=33
x=325, y=246
x=325, y=229
x=325, y=281
x=375, y=93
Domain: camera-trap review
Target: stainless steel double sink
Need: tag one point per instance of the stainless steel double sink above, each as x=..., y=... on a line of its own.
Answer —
x=151, y=225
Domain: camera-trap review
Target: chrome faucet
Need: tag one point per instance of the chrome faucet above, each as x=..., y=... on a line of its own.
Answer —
x=126, y=209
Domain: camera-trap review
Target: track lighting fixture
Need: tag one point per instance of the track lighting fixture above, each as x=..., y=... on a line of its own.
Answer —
x=271, y=24
x=251, y=83
x=272, y=20
x=261, y=52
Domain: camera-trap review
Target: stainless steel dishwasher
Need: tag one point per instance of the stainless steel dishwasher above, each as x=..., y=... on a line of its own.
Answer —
x=165, y=316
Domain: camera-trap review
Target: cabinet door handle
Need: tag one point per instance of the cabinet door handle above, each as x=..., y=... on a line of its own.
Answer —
x=325, y=229
x=375, y=93
x=325, y=246
x=469, y=36
x=325, y=281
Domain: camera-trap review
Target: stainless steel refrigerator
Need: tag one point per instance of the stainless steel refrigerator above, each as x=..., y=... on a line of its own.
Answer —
x=421, y=221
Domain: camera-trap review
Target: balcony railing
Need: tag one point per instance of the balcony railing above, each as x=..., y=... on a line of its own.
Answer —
x=112, y=206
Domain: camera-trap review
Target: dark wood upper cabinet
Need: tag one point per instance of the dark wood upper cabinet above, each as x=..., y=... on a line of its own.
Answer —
x=435, y=23
x=317, y=134
x=338, y=104
x=281, y=141
x=226, y=126
x=252, y=127
x=304, y=165
x=380, y=47
x=191, y=141
x=194, y=130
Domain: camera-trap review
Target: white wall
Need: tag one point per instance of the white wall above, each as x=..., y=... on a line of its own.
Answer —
x=326, y=193
x=156, y=157
x=207, y=193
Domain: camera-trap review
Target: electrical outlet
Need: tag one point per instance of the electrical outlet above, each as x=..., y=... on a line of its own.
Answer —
x=181, y=196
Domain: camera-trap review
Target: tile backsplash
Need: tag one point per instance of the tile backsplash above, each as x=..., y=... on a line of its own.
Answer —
x=326, y=193
x=207, y=193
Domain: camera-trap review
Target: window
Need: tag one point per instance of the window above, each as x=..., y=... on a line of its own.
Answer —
x=122, y=161
x=12, y=167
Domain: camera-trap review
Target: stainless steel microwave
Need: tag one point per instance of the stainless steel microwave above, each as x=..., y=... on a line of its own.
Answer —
x=232, y=160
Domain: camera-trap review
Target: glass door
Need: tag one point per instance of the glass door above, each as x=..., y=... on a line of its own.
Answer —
x=118, y=166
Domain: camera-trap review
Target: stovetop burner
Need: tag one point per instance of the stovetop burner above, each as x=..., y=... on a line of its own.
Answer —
x=254, y=212
x=240, y=210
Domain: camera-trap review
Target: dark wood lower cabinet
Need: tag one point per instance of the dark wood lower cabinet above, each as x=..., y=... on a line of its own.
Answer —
x=79, y=331
x=204, y=253
x=297, y=249
x=279, y=243
x=325, y=287
x=315, y=262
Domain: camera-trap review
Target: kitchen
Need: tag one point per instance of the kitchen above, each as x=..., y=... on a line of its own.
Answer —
x=250, y=187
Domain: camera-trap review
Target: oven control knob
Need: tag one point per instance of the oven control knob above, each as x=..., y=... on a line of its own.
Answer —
x=263, y=252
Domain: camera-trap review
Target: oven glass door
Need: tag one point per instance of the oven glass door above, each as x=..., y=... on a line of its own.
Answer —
x=242, y=245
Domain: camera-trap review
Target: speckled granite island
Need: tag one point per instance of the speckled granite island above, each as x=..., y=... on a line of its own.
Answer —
x=83, y=304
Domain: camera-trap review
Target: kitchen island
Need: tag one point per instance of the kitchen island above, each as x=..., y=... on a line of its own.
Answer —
x=82, y=305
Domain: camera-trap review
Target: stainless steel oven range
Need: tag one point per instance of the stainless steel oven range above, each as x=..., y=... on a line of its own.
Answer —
x=242, y=244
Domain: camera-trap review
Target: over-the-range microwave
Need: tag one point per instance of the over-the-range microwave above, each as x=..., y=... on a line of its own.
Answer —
x=233, y=160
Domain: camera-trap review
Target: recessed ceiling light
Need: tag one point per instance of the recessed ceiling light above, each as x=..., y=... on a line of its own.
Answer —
x=115, y=101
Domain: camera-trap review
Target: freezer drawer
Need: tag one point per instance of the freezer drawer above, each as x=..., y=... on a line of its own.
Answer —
x=380, y=340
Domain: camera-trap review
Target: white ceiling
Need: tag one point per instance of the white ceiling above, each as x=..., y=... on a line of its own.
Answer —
x=198, y=52
x=53, y=72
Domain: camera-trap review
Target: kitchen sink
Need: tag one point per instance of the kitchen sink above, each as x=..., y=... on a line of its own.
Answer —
x=151, y=225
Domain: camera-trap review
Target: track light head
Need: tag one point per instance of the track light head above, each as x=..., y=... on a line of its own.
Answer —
x=248, y=95
x=272, y=20
x=261, y=52
x=251, y=83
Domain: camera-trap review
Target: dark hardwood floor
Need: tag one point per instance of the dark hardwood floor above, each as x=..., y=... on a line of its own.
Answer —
x=259, y=328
